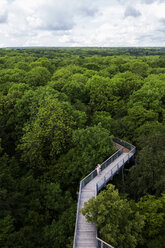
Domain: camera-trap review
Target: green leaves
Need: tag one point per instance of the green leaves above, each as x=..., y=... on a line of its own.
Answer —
x=6, y=227
x=89, y=146
x=140, y=68
x=154, y=211
x=149, y=176
x=118, y=224
x=49, y=134
x=147, y=103
x=87, y=142
x=58, y=108
x=37, y=76
x=103, y=118
x=100, y=92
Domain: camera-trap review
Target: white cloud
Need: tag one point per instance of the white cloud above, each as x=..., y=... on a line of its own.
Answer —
x=131, y=11
x=82, y=23
x=3, y=11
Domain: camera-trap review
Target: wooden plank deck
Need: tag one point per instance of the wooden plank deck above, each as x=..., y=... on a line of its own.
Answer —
x=86, y=233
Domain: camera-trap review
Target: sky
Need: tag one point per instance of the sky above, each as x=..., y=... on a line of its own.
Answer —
x=82, y=23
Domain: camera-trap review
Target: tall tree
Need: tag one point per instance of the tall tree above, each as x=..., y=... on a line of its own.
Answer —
x=149, y=176
x=49, y=134
x=118, y=224
x=153, y=210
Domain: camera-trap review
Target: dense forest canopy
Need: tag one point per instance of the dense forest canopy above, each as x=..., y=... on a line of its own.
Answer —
x=59, y=111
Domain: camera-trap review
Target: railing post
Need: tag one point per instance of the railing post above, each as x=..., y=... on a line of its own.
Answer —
x=123, y=173
x=111, y=174
x=104, y=181
x=96, y=190
x=101, y=244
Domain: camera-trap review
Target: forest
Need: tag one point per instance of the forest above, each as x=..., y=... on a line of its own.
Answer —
x=59, y=111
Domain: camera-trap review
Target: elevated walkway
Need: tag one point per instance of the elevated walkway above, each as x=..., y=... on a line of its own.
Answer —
x=85, y=233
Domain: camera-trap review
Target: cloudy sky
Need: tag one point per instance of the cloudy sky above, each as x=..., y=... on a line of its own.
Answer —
x=82, y=23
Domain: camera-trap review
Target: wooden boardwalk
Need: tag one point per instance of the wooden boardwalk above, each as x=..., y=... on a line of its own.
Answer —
x=85, y=232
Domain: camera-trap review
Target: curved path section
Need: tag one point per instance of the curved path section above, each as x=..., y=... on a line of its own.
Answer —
x=85, y=233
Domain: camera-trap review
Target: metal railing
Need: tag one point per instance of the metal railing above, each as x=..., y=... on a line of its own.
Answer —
x=89, y=178
x=124, y=143
x=109, y=175
x=93, y=174
x=111, y=159
x=102, y=244
x=103, y=182
x=77, y=216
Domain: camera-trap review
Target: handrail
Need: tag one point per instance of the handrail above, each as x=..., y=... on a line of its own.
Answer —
x=77, y=215
x=118, y=165
x=86, y=180
x=132, y=150
x=110, y=173
x=93, y=174
x=123, y=143
x=106, y=245
x=111, y=159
